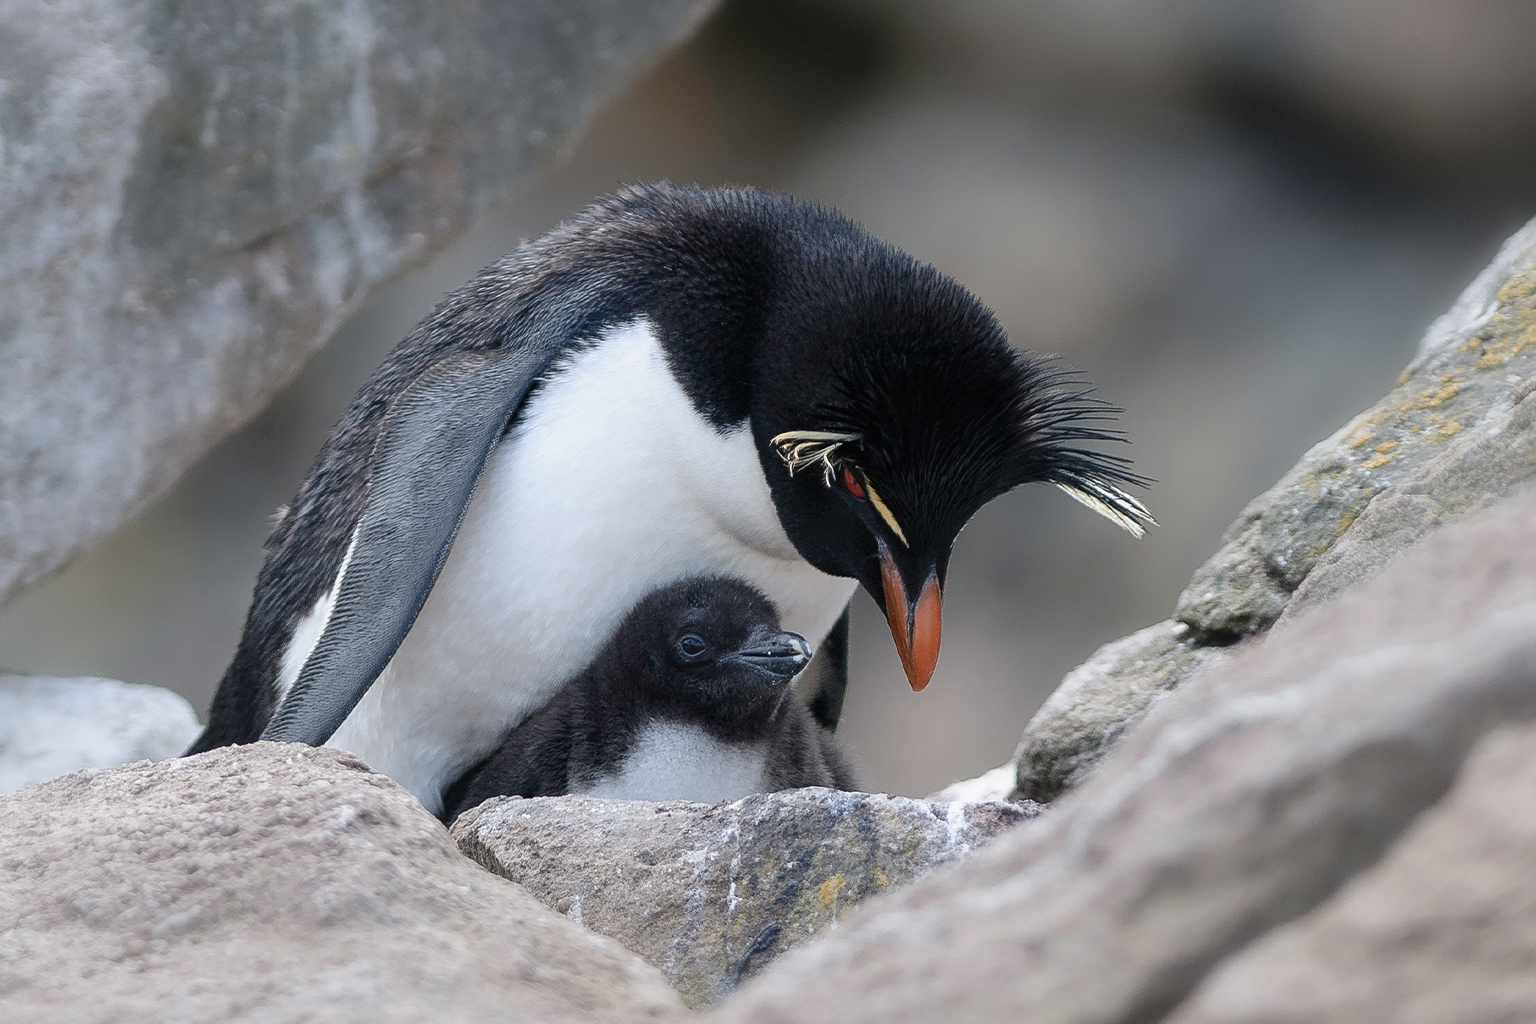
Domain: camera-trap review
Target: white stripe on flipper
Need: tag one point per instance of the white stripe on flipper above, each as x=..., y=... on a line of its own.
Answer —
x=308, y=630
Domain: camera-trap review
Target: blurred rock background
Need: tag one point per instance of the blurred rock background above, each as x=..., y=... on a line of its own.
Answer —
x=1237, y=219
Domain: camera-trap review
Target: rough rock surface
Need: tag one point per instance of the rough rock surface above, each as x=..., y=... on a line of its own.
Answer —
x=1456, y=434
x=1474, y=471
x=1099, y=700
x=1442, y=931
x=1471, y=365
x=711, y=894
x=1246, y=798
x=51, y=726
x=194, y=196
x=278, y=883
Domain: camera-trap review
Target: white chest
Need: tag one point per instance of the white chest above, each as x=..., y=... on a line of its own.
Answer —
x=672, y=761
x=610, y=486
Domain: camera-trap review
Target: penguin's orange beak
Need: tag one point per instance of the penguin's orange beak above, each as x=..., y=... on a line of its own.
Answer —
x=915, y=626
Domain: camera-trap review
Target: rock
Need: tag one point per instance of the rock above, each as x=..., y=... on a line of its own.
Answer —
x=711, y=894
x=277, y=882
x=1456, y=434
x=1246, y=797
x=1443, y=930
x=1471, y=364
x=51, y=726
x=1475, y=470
x=1099, y=700
x=194, y=197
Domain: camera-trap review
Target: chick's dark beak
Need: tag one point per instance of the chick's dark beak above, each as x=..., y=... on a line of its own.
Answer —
x=916, y=626
x=775, y=653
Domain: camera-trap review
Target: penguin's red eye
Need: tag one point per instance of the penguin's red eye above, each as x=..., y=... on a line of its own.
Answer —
x=853, y=485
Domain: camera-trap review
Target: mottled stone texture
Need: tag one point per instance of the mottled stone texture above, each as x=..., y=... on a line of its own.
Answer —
x=278, y=883
x=1475, y=470
x=1456, y=434
x=1099, y=700
x=193, y=197
x=1246, y=797
x=712, y=894
x=1442, y=931
x=50, y=726
x=1472, y=364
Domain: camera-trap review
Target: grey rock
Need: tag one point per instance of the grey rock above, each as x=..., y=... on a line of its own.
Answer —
x=278, y=883
x=1099, y=700
x=51, y=726
x=1475, y=470
x=1246, y=798
x=712, y=894
x=1455, y=435
x=1471, y=364
x=1442, y=931
x=194, y=197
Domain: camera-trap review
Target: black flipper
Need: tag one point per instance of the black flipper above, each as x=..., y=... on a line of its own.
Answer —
x=430, y=451
x=829, y=671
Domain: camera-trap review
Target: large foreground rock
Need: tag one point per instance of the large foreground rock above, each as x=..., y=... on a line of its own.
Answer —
x=193, y=197
x=278, y=883
x=1442, y=931
x=1458, y=432
x=51, y=726
x=1245, y=798
x=712, y=894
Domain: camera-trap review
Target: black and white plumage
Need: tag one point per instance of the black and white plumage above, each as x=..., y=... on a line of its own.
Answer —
x=676, y=382
x=691, y=699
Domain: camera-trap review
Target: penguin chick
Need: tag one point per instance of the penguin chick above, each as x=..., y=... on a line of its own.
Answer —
x=691, y=699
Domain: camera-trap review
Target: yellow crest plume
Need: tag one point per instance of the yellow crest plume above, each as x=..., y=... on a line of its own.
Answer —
x=1112, y=503
x=801, y=449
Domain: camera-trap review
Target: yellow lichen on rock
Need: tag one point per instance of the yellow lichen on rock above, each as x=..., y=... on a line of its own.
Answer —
x=1434, y=398
x=1500, y=352
x=828, y=890
x=1377, y=461
x=1519, y=286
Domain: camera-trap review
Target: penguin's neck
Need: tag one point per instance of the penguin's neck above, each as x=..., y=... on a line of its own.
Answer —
x=610, y=485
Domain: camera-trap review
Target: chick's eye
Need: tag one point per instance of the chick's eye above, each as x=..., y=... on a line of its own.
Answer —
x=690, y=646
x=852, y=483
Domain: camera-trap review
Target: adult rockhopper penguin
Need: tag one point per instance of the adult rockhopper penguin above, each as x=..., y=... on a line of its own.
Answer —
x=691, y=699
x=675, y=382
